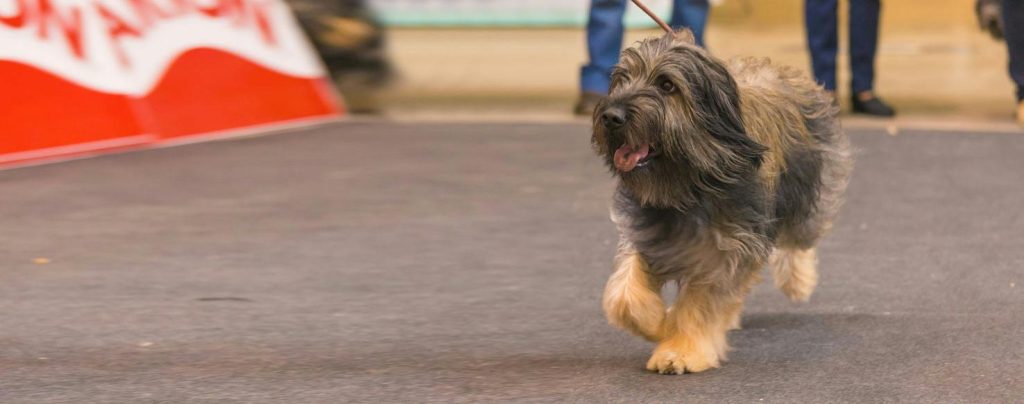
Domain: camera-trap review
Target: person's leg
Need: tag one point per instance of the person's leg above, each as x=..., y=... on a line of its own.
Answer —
x=692, y=14
x=864, y=16
x=822, y=39
x=604, y=43
x=1013, y=25
x=863, y=43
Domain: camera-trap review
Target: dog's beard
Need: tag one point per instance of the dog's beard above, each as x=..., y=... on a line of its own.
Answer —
x=665, y=157
x=632, y=147
x=651, y=174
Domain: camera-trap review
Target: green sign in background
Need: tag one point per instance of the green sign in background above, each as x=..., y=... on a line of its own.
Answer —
x=500, y=13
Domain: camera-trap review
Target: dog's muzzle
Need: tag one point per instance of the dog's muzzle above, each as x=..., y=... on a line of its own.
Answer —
x=626, y=156
x=613, y=117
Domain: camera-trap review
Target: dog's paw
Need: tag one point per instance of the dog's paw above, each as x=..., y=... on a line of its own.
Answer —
x=631, y=299
x=795, y=273
x=675, y=357
x=735, y=322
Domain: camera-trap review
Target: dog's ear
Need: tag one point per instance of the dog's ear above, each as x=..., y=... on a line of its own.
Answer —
x=723, y=117
x=684, y=36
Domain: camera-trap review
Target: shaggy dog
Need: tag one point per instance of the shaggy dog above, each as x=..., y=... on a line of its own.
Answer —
x=722, y=168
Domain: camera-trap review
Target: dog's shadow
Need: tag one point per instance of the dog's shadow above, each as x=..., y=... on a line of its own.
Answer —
x=797, y=336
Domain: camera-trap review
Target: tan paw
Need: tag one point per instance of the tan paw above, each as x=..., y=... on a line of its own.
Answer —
x=734, y=322
x=795, y=273
x=673, y=358
x=631, y=299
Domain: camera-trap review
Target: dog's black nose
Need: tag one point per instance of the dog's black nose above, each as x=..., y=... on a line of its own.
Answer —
x=613, y=117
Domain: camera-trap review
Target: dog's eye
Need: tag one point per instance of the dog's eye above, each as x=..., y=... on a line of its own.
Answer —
x=667, y=86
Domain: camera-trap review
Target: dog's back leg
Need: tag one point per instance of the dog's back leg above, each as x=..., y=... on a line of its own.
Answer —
x=795, y=272
x=632, y=298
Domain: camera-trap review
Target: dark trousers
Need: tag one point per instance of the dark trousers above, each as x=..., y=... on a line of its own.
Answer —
x=1013, y=25
x=605, y=30
x=821, y=19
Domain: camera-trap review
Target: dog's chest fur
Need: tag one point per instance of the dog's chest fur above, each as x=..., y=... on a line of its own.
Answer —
x=686, y=245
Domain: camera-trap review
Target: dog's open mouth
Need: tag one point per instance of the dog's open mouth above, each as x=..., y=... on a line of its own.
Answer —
x=629, y=157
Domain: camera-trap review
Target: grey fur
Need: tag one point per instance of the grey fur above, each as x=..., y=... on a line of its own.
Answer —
x=716, y=178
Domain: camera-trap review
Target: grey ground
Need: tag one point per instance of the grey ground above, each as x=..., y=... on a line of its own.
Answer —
x=376, y=262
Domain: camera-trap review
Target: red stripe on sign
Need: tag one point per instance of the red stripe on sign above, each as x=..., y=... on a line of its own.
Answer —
x=41, y=110
x=193, y=98
x=203, y=91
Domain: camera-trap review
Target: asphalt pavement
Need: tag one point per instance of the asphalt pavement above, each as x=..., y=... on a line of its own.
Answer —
x=413, y=262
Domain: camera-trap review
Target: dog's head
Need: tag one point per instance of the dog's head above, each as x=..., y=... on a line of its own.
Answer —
x=671, y=127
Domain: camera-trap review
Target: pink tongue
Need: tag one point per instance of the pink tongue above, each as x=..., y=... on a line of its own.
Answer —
x=627, y=157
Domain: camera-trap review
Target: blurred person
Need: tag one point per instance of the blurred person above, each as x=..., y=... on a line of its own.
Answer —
x=1004, y=20
x=605, y=30
x=351, y=43
x=1013, y=32
x=821, y=19
x=989, y=13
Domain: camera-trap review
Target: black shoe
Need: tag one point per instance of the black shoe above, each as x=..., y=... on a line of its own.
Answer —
x=587, y=103
x=874, y=106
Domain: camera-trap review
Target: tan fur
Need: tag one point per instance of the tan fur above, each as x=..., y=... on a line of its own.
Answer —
x=771, y=116
x=794, y=272
x=692, y=336
x=735, y=314
x=631, y=297
x=695, y=329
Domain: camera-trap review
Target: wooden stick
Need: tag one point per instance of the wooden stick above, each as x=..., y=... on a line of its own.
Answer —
x=655, y=17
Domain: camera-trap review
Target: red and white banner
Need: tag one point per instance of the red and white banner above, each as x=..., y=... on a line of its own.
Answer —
x=78, y=76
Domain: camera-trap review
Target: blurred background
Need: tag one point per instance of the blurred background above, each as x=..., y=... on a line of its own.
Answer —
x=481, y=59
x=451, y=242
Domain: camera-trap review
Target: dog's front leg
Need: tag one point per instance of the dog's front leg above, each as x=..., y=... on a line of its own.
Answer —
x=632, y=298
x=696, y=326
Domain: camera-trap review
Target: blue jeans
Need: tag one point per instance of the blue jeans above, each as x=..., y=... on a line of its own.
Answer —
x=1013, y=24
x=605, y=30
x=823, y=41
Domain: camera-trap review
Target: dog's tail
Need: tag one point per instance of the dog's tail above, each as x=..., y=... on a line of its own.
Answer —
x=794, y=271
